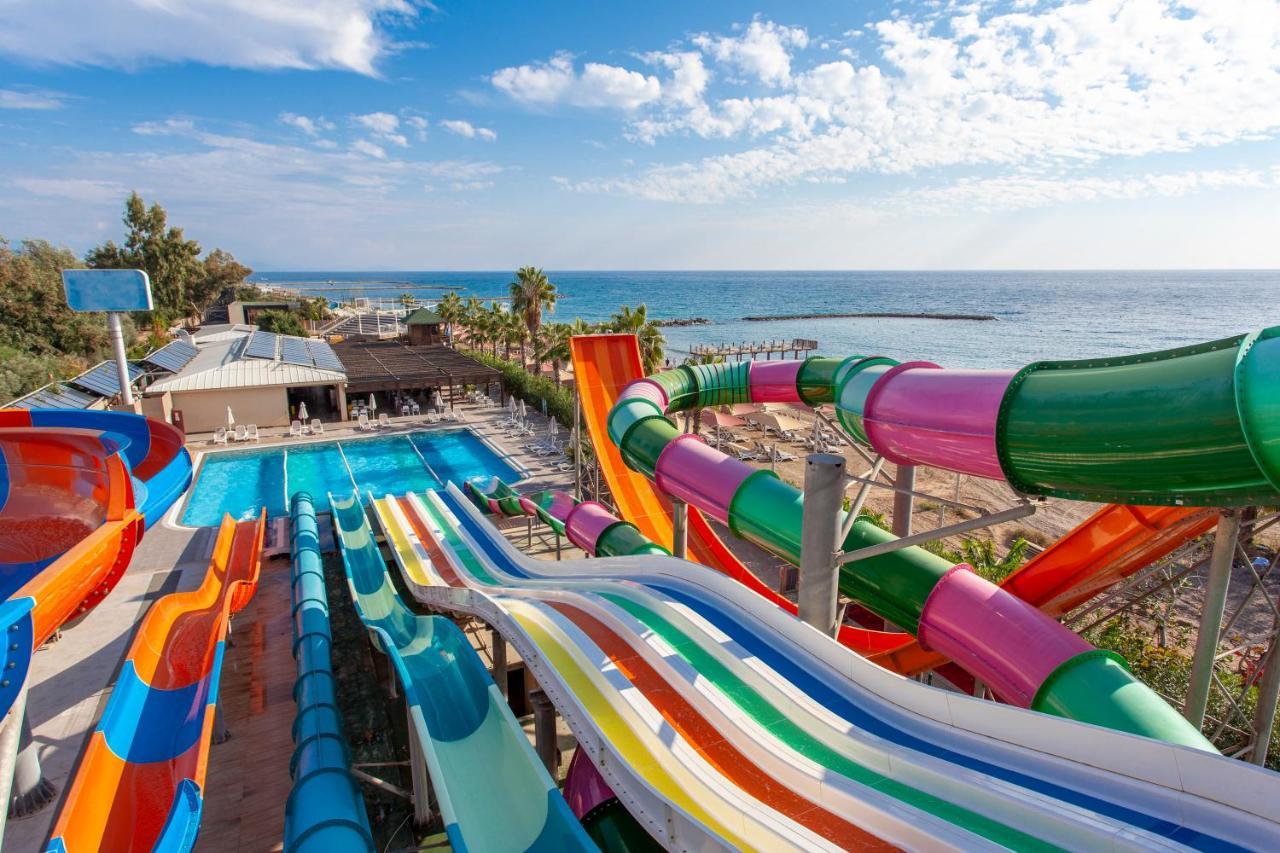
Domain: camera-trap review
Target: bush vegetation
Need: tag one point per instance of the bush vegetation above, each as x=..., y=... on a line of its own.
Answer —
x=524, y=385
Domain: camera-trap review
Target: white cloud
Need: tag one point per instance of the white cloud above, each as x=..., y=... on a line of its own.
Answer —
x=763, y=51
x=419, y=125
x=1073, y=84
x=74, y=189
x=309, y=126
x=369, y=149
x=689, y=77
x=168, y=127
x=556, y=81
x=468, y=130
x=385, y=126
x=31, y=99
x=345, y=34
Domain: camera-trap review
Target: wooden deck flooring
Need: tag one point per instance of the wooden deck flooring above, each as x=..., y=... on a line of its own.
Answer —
x=248, y=781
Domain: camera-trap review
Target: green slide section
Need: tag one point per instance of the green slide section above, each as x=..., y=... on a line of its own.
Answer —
x=1196, y=426
x=493, y=792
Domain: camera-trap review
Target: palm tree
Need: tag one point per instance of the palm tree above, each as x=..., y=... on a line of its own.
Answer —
x=636, y=321
x=531, y=294
x=472, y=310
x=515, y=333
x=493, y=320
x=451, y=310
x=555, y=346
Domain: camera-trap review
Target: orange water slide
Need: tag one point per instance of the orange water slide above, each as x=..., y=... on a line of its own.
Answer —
x=1107, y=547
x=139, y=785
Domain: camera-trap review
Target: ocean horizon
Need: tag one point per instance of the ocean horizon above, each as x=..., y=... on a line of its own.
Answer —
x=1040, y=314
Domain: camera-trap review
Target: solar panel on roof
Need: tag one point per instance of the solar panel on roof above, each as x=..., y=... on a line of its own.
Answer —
x=324, y=356
x=56, y=397
x=103, y=381
x=172, y=357
x=294, y=351
x=262, y=345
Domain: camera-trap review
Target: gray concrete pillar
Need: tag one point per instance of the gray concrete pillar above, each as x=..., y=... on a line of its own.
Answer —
x=1215, y=600
x=820, y=539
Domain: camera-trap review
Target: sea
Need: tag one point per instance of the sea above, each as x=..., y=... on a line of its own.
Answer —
x=1039, y=315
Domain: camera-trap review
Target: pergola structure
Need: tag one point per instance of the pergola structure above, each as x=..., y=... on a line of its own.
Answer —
x=393, y=366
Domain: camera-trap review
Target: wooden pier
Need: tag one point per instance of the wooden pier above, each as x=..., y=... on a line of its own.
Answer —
x=797, y=347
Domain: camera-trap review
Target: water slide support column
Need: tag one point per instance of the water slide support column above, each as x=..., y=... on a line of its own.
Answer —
x=820, y=539
x=904, y=484
x=31, y=791
x=679, y=528
x=419, y=775
x=544, y=730
x=498, y=652
x=1215, y=600
x=1264, y=716
x=577, y=447
x=10, y=729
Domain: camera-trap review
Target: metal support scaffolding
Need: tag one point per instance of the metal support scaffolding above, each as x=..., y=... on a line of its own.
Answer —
x=819, y=540
x=1021, y=510
x=1215, y=601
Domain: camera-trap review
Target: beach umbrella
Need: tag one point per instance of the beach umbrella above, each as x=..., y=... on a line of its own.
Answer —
x=740, y=409
x=524, y=410
x=437, y=400
x=373, y=402
x=720, y=420
x=302, y=411
x=231, y=419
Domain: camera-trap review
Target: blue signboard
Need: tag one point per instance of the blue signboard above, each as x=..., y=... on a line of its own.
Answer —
x=107, y=290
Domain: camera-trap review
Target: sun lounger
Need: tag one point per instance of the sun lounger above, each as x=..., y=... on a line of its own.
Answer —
x=383, y=420
x=220, y=435
x=295, y=429
x=251, y=432
x=317, y=428
x=242, y=432
x=362, y=422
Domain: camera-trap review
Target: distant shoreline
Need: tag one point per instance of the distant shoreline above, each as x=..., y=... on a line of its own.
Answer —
x=980, y=318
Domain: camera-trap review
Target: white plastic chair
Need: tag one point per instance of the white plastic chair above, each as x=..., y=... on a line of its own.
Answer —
x=295, y=429
x=251, y=432
x=383, y=420
x=242, y=432
x=317, y=428
x=220, y=435
x=363, y=422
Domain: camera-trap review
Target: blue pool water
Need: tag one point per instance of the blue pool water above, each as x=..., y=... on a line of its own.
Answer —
x=243, y=482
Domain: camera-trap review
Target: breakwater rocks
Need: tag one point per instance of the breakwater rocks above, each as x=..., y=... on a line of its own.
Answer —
x=981, y=318
x=683, y=321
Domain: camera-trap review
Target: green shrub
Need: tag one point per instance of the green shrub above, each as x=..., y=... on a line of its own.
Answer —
x=524, y=385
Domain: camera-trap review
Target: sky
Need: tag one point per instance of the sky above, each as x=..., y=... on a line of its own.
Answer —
x=403, y=134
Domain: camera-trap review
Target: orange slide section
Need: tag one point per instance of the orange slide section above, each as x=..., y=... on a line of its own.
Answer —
x=1107, y=547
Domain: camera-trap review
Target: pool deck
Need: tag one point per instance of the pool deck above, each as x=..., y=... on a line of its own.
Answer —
x=248, y=779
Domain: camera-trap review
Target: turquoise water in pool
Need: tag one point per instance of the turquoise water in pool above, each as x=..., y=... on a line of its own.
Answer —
x=243, y=482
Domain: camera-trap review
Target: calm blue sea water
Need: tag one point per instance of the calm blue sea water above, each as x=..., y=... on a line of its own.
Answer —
x=1041, y=314
x=243, y=482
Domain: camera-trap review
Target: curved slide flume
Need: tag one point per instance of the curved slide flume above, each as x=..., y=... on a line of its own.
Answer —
x=1022, y=654
x=587, y=524
x=494, y=793
x=155, y=452
x=325, y=810
x=721, y=721
x=139, y=783
x=68, y=528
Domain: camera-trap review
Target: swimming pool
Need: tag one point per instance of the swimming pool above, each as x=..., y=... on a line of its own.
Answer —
x=243, y=482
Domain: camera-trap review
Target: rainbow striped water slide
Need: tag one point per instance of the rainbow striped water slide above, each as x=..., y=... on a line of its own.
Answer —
x=722, y=722
x=138, y=785
x=1193, y=426
x=494, y=793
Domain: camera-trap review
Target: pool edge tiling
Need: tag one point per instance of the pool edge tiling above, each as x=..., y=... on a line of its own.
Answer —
x=241, y=481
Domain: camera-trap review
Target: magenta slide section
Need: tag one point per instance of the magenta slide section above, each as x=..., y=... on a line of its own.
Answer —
x=691, y=471
x=586, y=522
x=967, y=618
x=941, y=417
x=774, y=381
